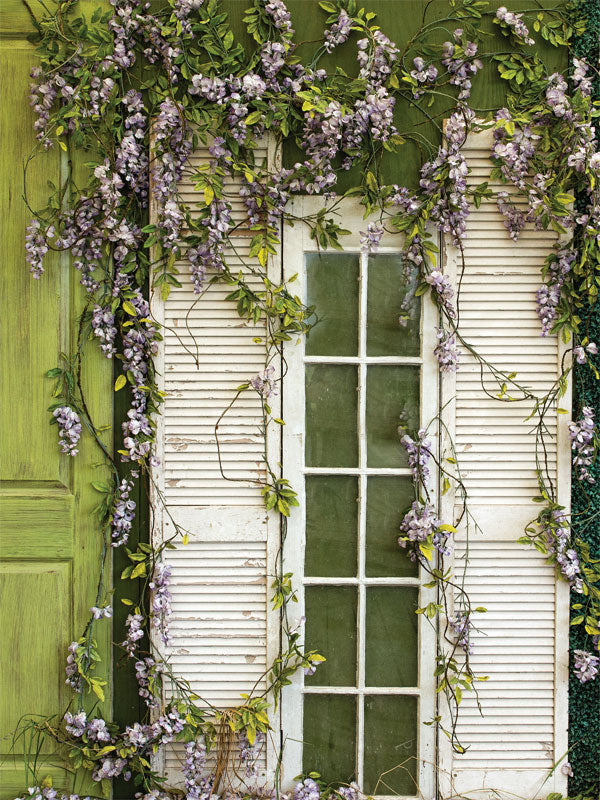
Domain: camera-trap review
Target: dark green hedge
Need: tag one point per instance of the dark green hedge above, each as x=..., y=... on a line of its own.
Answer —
x=584, y=699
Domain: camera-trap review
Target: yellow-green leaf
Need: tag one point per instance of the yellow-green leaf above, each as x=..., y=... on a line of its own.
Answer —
x=120, y=382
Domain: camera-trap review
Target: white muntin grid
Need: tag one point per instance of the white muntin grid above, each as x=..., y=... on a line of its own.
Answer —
x=295, y=250
x=362, y=582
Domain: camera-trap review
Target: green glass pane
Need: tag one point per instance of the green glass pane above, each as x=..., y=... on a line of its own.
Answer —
x=391, y=636
x=332, y=287
x=392, y=402
x=331, y=630
x=331, y=525
x=388, y=499
x=392, y=329
x=330, y=736
x=331, y=402
x=390, y=745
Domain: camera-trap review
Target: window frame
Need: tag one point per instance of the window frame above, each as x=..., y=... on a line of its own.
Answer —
x=297, y=243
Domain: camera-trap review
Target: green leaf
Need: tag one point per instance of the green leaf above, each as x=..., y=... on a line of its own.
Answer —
x=120, y=382
x=129, y=308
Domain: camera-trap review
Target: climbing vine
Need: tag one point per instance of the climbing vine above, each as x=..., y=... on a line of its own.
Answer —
x=137, y=91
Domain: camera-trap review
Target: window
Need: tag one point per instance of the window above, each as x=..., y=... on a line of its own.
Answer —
x=359, y=377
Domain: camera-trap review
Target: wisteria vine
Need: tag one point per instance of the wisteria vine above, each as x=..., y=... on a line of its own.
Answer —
x=128, y=227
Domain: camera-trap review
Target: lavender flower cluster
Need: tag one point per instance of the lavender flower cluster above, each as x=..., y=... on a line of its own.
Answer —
x=197, y=785
x=48, y=793
x=583, y=436
x=123, y=514
x=161, y=600
x=423, y=75
x=446, y=351
x=445, y=178
x=264, y=382
x=557, y=535
x=459, y=58
x=514, y=22
x=69, y=429
x=419, y=453
x=585, y=665
x=338, y=33
x=421, y=526
x=548, y=295
x=460, y=625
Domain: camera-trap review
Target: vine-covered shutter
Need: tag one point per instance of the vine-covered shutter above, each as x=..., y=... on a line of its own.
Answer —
x=49, y=536
x=221, y=642
x=521, y=642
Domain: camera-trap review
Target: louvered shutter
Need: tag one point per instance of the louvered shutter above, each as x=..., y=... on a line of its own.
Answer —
x=522, y=641
x=222, y=634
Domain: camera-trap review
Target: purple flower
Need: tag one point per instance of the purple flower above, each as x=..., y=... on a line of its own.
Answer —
x=161, y=600
x=446, y=351
x=583, y=437
x=422, y=74
x=581, y=353
x=369, y=239
x=376, y=57
x=249, y=753
x=419, y=453
x=444, y=293
x=36, y=246
x=579, y=76
x=69, y=429
x=567, y=769
x=557, y=536
x=122, y=514
x=459, y=59
x=197, y=787
x=264, y=382
x=101, y=613
x=585, y=665
x=338, y=33
x=514, y=23
x=76, y=723
x=460, y=625
x=280, y=17
x=135, y=632
x=421, y=526
x=308, y=789
x=72, y=668
x=97, y=731
x=548, y=295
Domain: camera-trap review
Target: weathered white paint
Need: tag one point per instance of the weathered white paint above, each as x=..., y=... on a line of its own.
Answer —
x=224, y=634
x=522, y=641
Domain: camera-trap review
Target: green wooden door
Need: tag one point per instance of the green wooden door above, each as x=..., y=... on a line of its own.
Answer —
x=49, y=537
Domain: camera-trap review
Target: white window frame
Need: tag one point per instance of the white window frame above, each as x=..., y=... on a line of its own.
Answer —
x=297, y=243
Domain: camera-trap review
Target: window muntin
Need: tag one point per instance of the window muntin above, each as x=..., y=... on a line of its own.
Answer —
x=362, y=372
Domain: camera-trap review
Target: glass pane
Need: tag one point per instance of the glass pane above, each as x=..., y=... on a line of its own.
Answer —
x=392, y=401
x=391, y=636
x=390, y=745
x=331, y=525
x=331, y=402
x=392, y=329
x=332, y=287
x=330, y=736
x=388, y=499
x=331, y=629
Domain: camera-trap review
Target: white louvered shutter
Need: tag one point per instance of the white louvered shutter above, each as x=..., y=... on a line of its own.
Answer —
x=522, y=642
x=222, y=634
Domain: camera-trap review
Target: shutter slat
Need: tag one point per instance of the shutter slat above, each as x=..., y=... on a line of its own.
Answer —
x=515, y=641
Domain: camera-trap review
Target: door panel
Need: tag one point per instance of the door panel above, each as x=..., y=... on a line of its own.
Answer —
x=50, y=539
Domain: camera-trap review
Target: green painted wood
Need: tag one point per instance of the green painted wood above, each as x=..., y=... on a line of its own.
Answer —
x=49, y=535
